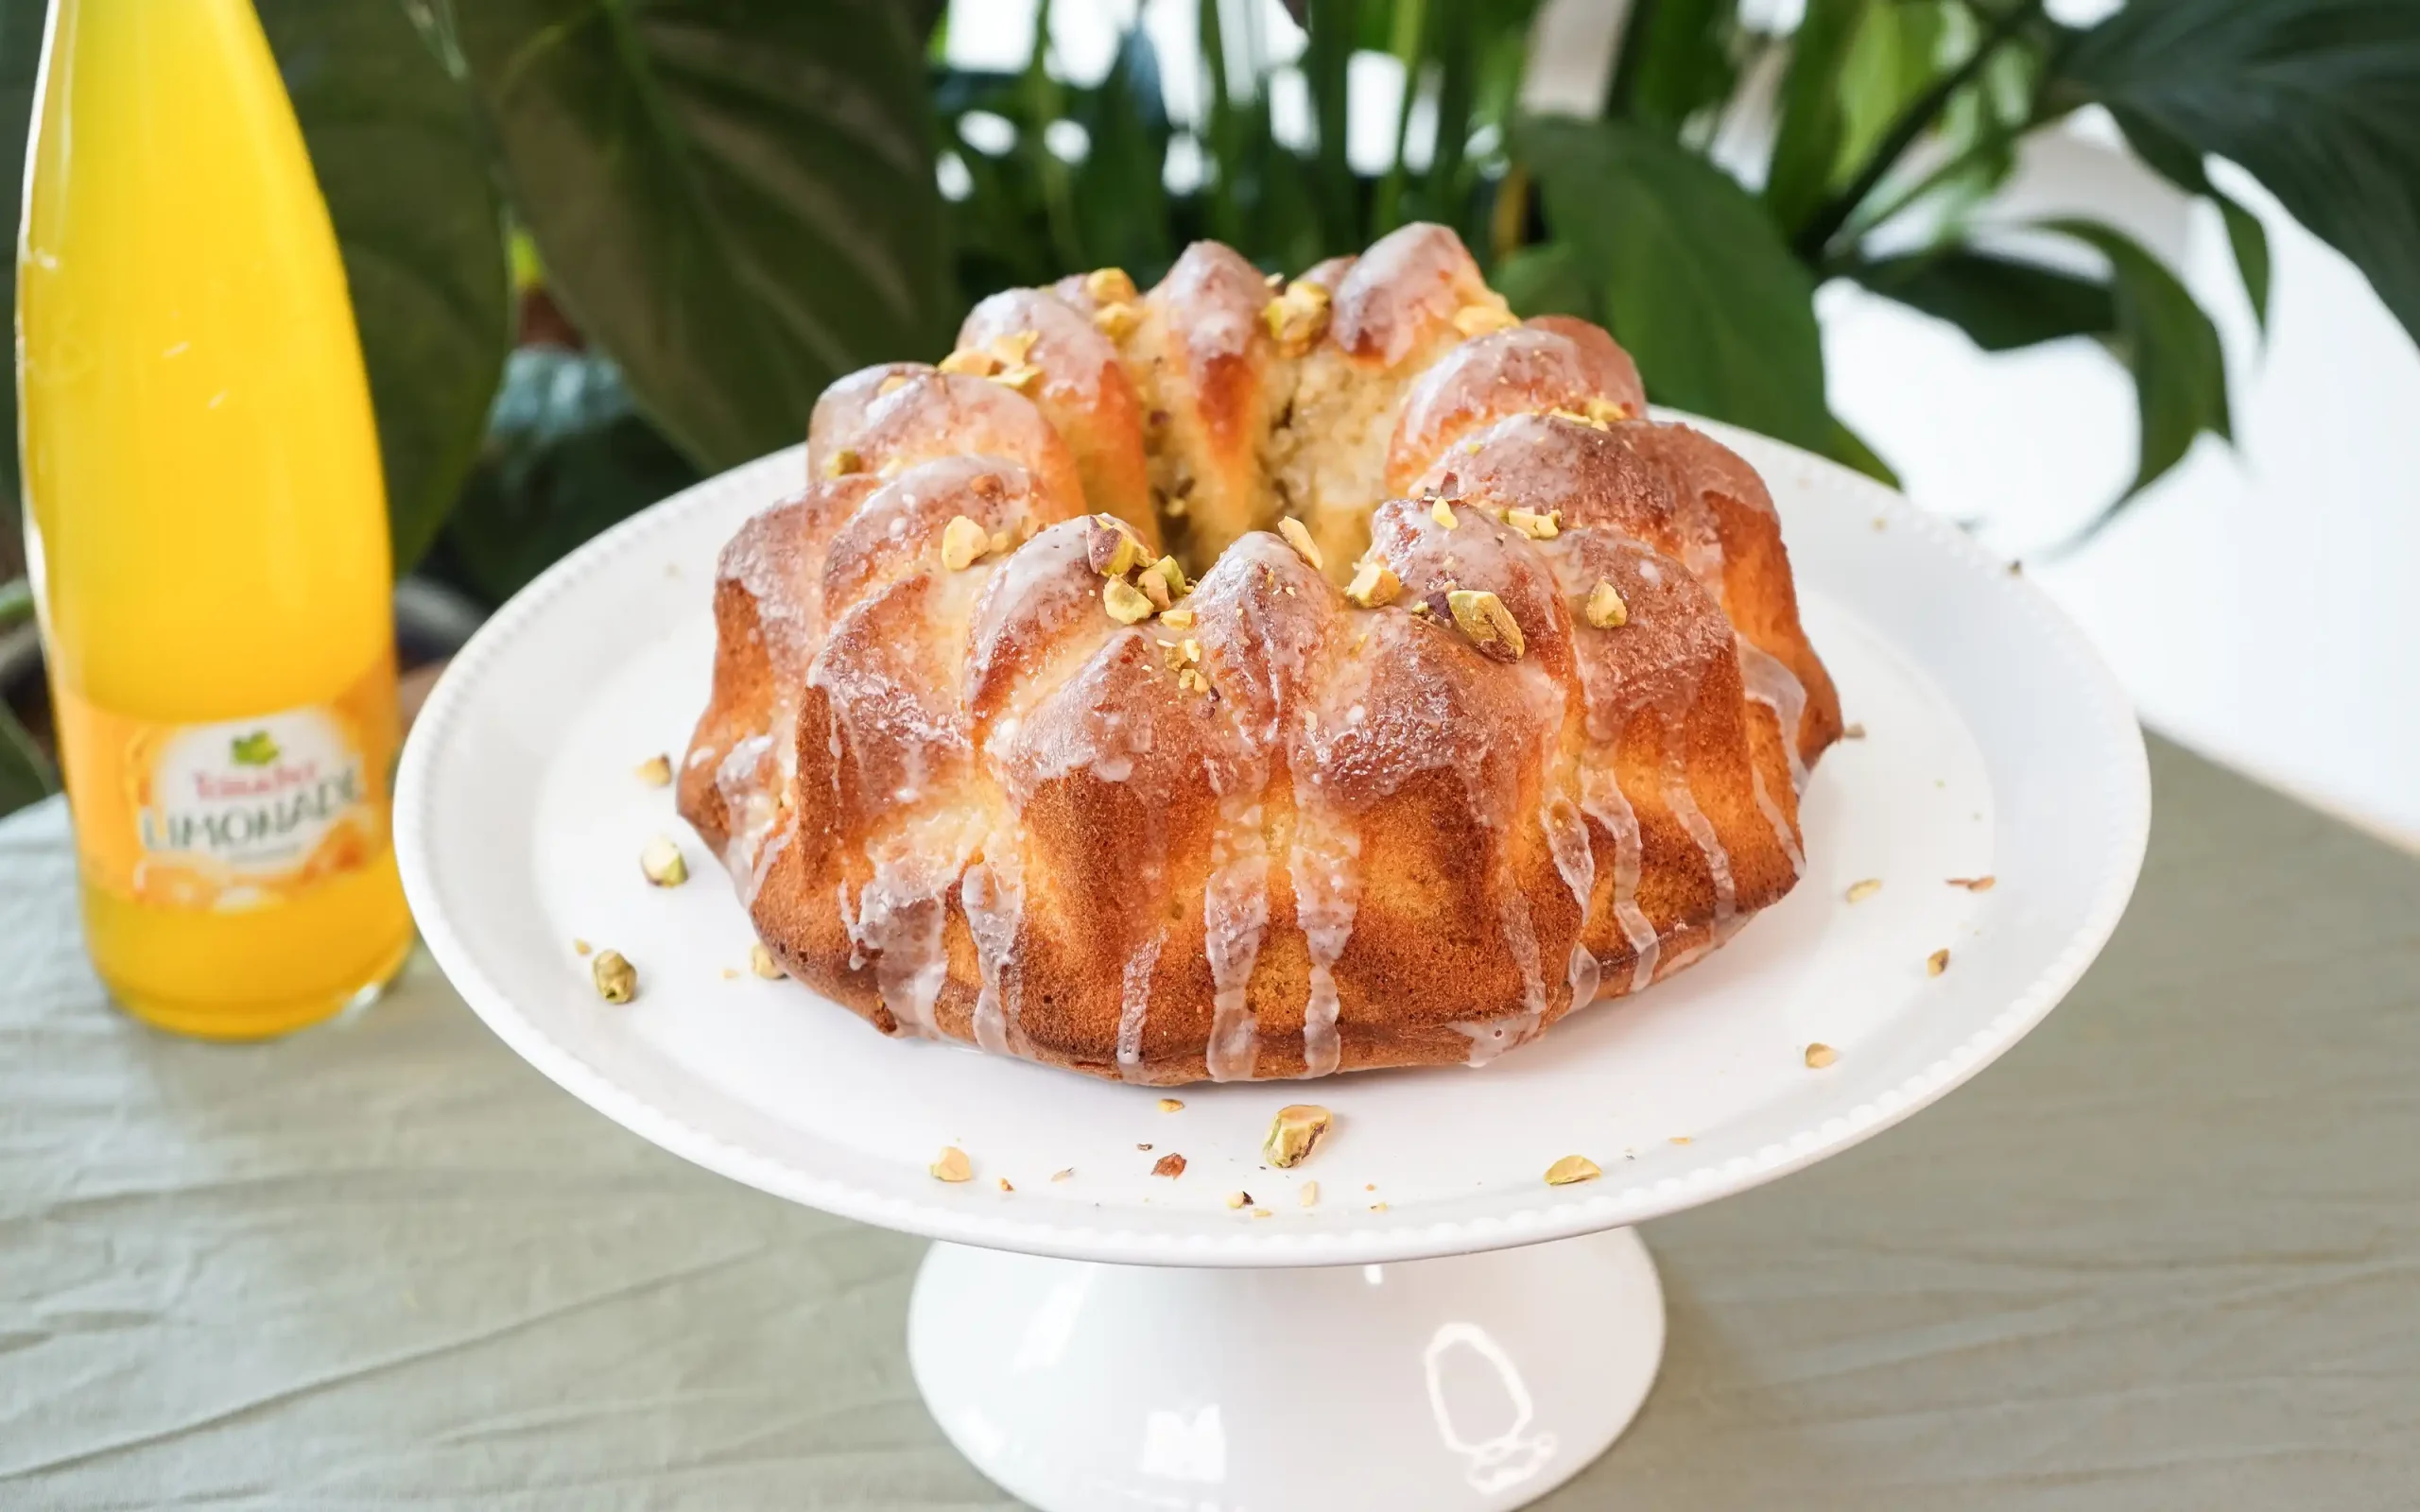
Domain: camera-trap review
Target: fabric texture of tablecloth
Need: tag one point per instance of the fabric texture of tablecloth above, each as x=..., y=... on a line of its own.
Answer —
x=2166, y=1255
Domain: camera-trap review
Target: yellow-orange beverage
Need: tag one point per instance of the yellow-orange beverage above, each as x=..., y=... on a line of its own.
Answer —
x=206, y=526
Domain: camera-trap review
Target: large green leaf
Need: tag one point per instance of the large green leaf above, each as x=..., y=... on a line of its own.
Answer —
x=1697, y=281
x=2000, y=303
x=567, y=456
x=2319, y=99
x=2179, y=163
x=27, y=775
x=2169, y=346
x=406, y=175
x=734, y=197
x=1547, y=278
x=1814, y=120
x=1676, y=60
x=1120, y=189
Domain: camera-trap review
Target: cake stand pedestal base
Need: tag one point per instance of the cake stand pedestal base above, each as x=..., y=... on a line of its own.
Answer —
x=1477, y=1381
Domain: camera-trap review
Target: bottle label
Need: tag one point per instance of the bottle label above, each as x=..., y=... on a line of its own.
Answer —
x=235, y=814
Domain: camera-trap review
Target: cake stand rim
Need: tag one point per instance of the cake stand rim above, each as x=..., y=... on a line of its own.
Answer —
x=1560, y=1213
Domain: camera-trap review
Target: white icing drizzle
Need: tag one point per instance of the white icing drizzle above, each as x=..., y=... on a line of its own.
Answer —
x=750, y=803
x=1602, y=798
x=1235, y=913
x=1567, y=840
x=1771, y=682
x=1717, y=860
x=993, y=894
x=1134, y=1000
x=1327, y=890
x=899, y=919
x=1493, y=1037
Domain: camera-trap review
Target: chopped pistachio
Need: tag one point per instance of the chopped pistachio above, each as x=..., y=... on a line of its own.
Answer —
x=1022, y=378
x=582, y=947
x=1167, y=572
x=1571, y=1169
x=1117, y=320
x=1936, y=963
x=896, y=381
x=1820, y=1055
x=971, y=362
x=1110, y=286
x=1110, y=548
x=1181, y=618
x=663, y=863
x=1294, y=1133
x=1012, y=348
x=1603, y=412
x=951, y=1166
x=1300, y=539
x=1375, y=585
x=1063, y=1175
x=1169, y=1105
x=1478, y=320
x=1536, y=527
x=1000, y=541
x=1154, y=588
x=1296, y=317
x=656, y=771
x=1309, y=1196
x=1239, y=1200
x=844, y=462
x=1124, y=601
x=760, y=961
x=1482, y=617
x=1443, y=514
x=963, y=543
x=1984, y=883
x=618, y=980
x=1859, y=891
x=1605, y=608
x=1004, y=1184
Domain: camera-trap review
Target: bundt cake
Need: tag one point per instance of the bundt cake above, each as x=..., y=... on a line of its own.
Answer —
x=1255, y=678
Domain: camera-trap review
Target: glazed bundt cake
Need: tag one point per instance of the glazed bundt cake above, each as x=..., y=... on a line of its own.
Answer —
x=1255, y=678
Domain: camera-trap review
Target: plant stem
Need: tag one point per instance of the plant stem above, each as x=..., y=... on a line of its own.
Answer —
x=1976, y=150
x=1410, y=49
x=1043, y=103
x=1911, y=123
x=1218, y=129
x=1626, y=59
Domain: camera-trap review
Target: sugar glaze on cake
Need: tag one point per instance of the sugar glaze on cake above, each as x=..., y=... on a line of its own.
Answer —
x=1489, y=699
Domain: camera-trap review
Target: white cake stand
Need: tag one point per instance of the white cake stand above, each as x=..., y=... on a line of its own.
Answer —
x=1094, y=1336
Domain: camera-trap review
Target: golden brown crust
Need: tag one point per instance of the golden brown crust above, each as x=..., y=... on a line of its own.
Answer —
x=991, y=791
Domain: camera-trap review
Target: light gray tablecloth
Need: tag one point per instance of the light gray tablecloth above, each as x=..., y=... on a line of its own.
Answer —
x=2166, y=1255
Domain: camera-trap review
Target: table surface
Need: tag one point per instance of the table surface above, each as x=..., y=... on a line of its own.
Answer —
x=2165, y=1254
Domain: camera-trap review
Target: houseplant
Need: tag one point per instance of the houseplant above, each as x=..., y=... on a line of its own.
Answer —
x=736, y=201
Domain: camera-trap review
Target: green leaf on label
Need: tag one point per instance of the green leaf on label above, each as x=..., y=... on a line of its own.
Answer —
x=259, y=748
x=1697, y=281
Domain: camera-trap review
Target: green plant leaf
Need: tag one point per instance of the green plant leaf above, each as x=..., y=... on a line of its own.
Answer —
x=26, y=775
x=736, y=200
x=406, y=175
x=1697, y=281
x=1849, y=449
x=1119, y=189
x=2169, y=346
x=20, y=61
x=2001, y=303
x=567, y=456
x=1333, y=25
x=1676, y=60
x=1547, y=278
x=2176, y=160
x=2318, y=99
x=1813, y=125
x=16, y=602
x=1896, y=52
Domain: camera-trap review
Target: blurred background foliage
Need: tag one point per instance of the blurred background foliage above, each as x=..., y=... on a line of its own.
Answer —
x=601, y=248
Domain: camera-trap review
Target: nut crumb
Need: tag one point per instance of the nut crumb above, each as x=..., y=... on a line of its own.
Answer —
x=1169, y=1105
x=844, y=462
x=582, y=947
x=1110, y=286
x=952, y=1166
x=616, y=979
x=1443, y=514
x=896, y=381
x=1536, y=527
x=1239, y=1200
x=1852, y=731
x=1982, y=884
x=1680, y=1139
x=1300, y=539
x=1859, y=891
x=1262, y=1212
x=730, y=974
x=656, y=771
x=1820, y=1055
x=1375, y=585
x=1124, y=601
x=1062, y=1176
x=1294, y=1133
x=1937, y=962
x=1377, y=1207
x=1488, y=626
x=1296, y=317
x=1603, y=412
x=1179, y=618
x=1004, y=1185
x=1142, y=1146
x=963, y=543
x=1481, y=320
x=760, y=961
x=1023, y=377
x=1572, y=1169
x=662, y=861
x=1605, y=608
x=1168, y=1165
x=1309, y=1196
x=971, y=362
x=1117, y=320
